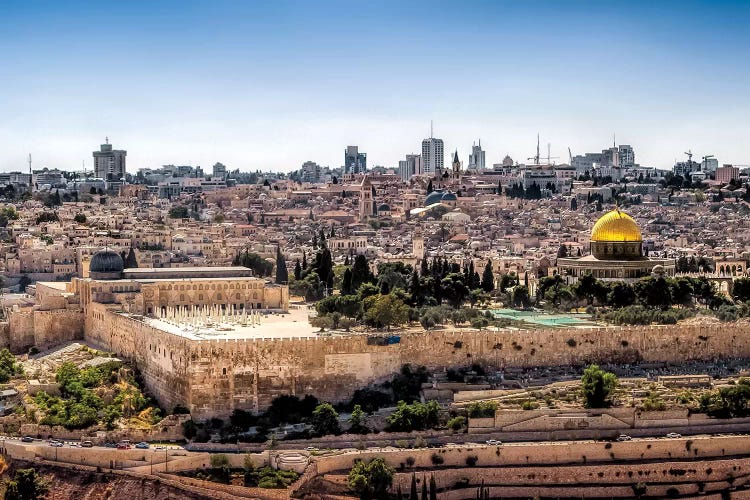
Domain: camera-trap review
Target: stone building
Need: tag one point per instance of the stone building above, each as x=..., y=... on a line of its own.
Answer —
x=616, y=253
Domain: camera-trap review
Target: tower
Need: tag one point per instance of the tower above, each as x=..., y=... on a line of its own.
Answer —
x=365, y=199
x=432, y=155
x=456, y=166
x=417, y=246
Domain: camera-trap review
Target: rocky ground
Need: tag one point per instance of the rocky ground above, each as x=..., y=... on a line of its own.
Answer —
x=67, y=484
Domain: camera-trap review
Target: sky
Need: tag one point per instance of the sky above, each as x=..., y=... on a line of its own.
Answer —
x=270, y=85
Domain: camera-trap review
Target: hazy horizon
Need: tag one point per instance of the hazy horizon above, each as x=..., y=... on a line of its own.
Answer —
x=270, y=86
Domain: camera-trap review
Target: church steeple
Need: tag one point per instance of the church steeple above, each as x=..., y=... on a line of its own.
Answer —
x=456, y=166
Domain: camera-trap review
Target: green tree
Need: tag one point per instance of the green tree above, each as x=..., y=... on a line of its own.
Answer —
x=371, y=480
x=297, y=270
x=26, y=485
x=179, y=212
x=488, y=278
x=325, y=420
x=384, y=311
x=454, y=289
x=433, y=488
x=282, y=274
x=741, y=289
x=8, y=366
x=357, y=421
x=413, y=491
x=131, y=262
x=259, y=265
x=346, y=282
x=361, y=272
x=597, y=386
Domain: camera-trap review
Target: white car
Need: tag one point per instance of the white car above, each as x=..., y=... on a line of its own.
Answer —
x=493, y=442
x=624, y=437
x=674, y=435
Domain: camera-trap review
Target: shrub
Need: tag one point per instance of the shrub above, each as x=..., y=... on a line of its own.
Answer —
x=482, y=409
x=457, y=423
x=436, y=459
x=529, y=405
x=472, y=460
x=572, y=342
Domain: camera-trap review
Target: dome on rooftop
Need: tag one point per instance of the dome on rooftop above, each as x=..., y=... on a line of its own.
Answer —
x=448, y=197
x=106, y=265
x=433, y=197
x=615, y=226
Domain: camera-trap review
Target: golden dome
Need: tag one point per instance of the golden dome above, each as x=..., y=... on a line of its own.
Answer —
x=615, y=226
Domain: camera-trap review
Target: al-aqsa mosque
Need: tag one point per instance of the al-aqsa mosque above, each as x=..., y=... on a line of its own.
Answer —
x=616, y=253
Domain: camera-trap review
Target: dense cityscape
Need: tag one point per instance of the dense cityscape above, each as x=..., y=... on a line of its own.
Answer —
x=386, y=251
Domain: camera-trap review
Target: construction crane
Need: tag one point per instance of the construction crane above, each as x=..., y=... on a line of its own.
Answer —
x=536, y=158
x=689, y=154
x=550, y=158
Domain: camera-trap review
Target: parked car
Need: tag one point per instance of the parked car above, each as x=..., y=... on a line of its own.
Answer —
x=142, y=445
x=87, y=444
x=674, y=435
x=493, y=442
x=110, y=445
x=624, y=437
x=123, y=446
x=27, y=439
x=56, y=444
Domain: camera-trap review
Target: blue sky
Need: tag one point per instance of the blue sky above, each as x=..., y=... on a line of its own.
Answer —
x=271, y=85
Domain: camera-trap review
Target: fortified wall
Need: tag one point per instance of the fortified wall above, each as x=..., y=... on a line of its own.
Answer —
x=214, y=377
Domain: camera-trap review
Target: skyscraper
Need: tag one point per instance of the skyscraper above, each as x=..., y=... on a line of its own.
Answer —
x=109, y=164
x=476, y=158
x=432, y=156
x=354, y=161
x=410, y=167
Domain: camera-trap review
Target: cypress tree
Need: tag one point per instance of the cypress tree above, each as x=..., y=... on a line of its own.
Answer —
x=297, y=270
x=424, y=488
x=130, y=261
x=346, y=283
x=433, y=488
x=304, y=260
x=413, y=493
x=488, y=278
x=282, y=273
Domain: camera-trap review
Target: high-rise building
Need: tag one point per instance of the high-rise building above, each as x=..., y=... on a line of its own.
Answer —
x=626, y=156
x=410, y=167
x=354, y=161
x=432, y=156
x=109, y=164
x=710, y=165
x=476, y=158
x=311, y=172
x=220, y=170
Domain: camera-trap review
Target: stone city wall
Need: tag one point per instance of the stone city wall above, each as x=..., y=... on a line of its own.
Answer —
x=31, y=327
x=526, y=454
x=214, y=377
x=249, y=374
x=161, y=357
